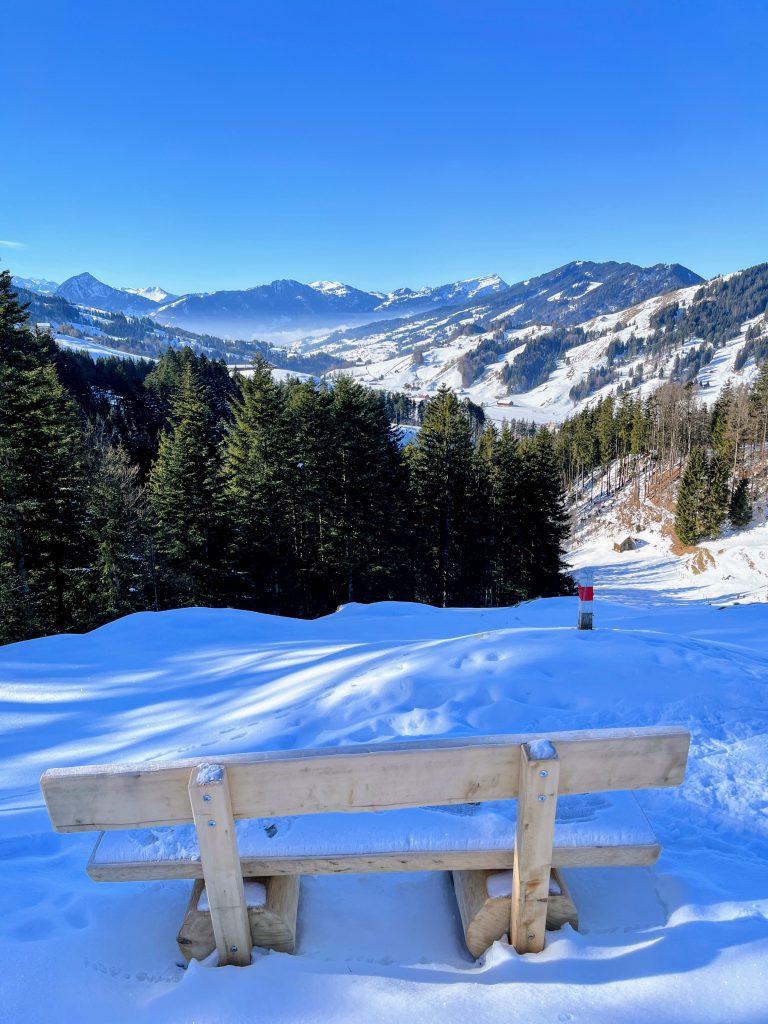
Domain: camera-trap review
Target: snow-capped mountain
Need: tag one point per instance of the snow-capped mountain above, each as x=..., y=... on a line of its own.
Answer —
x=154, y=293
x=283, y=310
x=86, y=290
x=35, y=284
x=288, y=310
x=405, y=300
x=567, y=295
x=339, y=289
x=539, y=349
x=345, y=321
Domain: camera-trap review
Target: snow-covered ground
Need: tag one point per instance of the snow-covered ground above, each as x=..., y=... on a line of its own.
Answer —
x=93, y=348
x=683, y=941
x=732, y=568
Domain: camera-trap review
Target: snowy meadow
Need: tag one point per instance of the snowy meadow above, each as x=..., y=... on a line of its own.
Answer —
x=684, y=940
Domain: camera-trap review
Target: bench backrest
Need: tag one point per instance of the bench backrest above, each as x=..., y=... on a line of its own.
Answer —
x=422, y=773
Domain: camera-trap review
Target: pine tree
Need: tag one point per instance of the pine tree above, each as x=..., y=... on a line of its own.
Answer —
x=718, y=494
x=447, y=503
x=120, y=573
x=485, y=529
x=508, y=501
x=308, y=461
x=692, y=498
x=184, y=499
x=165, y=380
x=740, y=510
x=256, y=493
x=606, y=430
x=544, y=520
x=367, y=487
x=758, y=401
x=42, y=514
x=720, y=466
x=640, y=428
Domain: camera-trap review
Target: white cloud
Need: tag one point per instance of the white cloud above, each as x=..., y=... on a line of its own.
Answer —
x=11, y=245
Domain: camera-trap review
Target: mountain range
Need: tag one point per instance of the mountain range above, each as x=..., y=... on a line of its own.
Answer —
x=538, y=349
x=286, y=311
x=529, y=362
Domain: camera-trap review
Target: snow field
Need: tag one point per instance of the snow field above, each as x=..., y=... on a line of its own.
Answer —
x=685, y=940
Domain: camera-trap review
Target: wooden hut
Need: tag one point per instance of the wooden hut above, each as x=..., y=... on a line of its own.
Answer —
x=628, y=544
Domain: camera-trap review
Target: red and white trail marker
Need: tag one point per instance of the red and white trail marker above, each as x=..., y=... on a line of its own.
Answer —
x=585, y=603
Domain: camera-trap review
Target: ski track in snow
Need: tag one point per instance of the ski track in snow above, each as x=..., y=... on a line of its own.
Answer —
x=685, y=940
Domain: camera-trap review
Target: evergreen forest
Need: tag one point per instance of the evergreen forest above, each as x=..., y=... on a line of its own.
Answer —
x=129, y=485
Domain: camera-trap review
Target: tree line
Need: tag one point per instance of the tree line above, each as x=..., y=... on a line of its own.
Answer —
x=127, y=486
x=671, y=443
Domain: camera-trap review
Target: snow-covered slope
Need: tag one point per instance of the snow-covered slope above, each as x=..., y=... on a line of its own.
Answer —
x=93, y=348
x=566, y=295
x=419, y=354
x=731, y=569
x=684, y=941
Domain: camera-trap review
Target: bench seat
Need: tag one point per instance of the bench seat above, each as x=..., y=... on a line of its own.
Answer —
x=593, y=829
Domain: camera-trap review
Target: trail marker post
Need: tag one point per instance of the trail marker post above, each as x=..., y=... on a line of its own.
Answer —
x=585, y=600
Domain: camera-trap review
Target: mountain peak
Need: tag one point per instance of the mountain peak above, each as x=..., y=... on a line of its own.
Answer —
x=330, y=287
x=152, y=292
x=86, y=290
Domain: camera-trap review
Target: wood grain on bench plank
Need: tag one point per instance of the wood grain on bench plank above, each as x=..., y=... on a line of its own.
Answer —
x=362, y=778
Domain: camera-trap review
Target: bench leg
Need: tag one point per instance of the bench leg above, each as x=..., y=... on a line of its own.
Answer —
x=215, y=826
x=273, y=923
x=536, y=804
x=485, y=917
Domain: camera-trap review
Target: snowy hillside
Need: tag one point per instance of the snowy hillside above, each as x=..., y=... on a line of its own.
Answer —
x=104, y=333
x=92, y=347
x=731, y=569
x=539, y=350
x=625, y=348
x=681, y=942
x=566, y=295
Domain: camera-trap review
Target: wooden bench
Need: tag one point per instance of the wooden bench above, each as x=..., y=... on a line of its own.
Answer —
x=471, y=806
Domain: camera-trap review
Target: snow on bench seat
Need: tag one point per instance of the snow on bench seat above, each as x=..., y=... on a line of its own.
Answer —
x=593, y=829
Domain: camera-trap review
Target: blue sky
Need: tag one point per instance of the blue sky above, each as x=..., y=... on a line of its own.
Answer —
x=223, y=144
